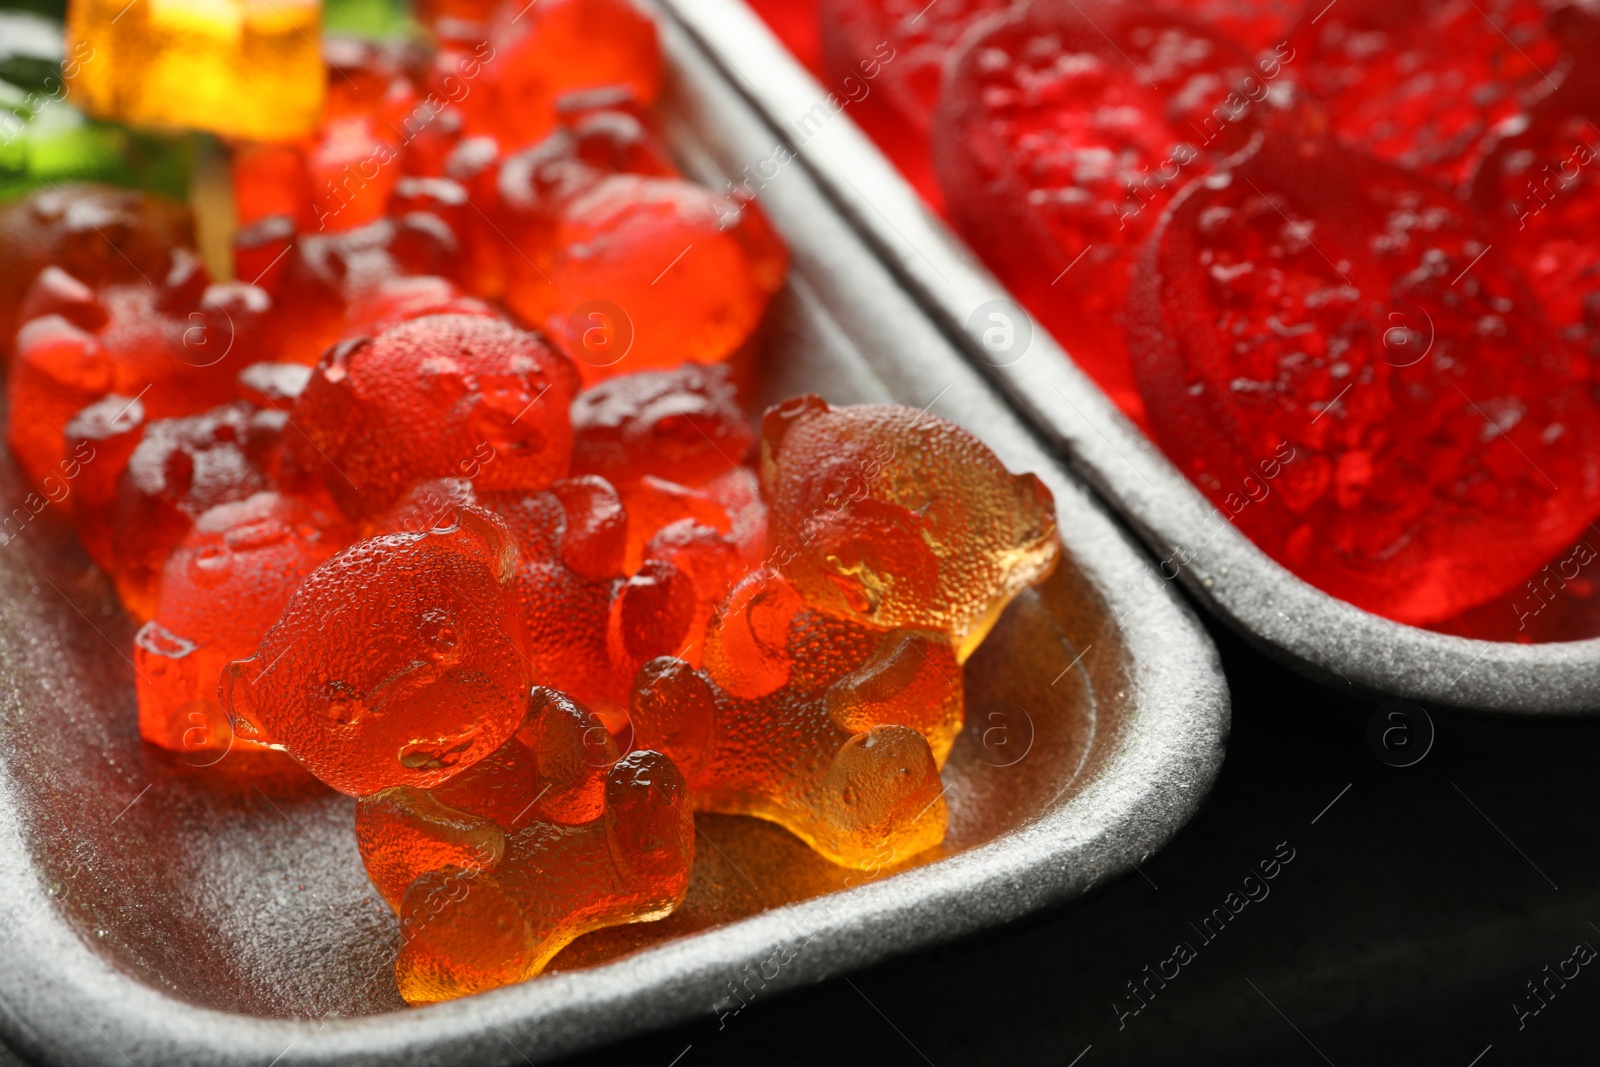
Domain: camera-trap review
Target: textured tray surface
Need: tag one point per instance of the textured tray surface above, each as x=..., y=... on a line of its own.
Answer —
x=1326, y=638
x=159, y=915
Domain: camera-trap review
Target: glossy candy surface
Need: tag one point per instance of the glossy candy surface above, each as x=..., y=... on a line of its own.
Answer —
x=894, y=518
x=1408, y=433
x=868, y=718
x=435, y=397
x=399, y=661
x=1063, y=132
x=222, y=588
x=233, y=67
x=548, y=837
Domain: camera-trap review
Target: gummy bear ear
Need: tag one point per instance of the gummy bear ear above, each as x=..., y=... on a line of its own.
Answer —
x=776, y=424
x=334, y=366
x=490, y=530
x=236, y=691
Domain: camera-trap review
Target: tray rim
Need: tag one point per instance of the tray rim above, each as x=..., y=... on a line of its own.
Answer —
x=1322, y=637
x=61, y=1001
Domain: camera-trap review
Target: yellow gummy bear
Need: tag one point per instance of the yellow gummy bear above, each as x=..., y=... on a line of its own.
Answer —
x=238, y=68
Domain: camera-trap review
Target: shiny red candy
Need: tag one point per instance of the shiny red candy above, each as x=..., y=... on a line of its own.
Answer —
x=1330, y=352
x=180, y=469
x=176, y=345
x=435, y=397
x=1063, y=133
x=399, y=661
x=683, y=424
x=221, y=590
x=1422, y=85
x=883, y=60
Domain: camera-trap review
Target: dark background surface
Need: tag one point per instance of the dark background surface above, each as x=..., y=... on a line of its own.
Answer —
x=1415, y=910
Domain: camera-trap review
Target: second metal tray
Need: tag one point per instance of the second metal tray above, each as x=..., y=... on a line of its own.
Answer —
x=1291, y=620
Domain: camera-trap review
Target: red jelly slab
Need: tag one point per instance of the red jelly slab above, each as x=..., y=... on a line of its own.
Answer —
x=1062, y=133
x=1331, y=351
x=1422, y=84
x=882, y=59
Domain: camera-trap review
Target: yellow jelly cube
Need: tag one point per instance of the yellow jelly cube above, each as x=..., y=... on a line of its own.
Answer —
x=238, y=68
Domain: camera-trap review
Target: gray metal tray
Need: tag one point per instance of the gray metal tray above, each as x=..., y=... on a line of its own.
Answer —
x=156, y=913
x=1326, y=638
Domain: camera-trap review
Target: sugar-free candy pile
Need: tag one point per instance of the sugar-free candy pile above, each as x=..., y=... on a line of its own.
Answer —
x=451, y=497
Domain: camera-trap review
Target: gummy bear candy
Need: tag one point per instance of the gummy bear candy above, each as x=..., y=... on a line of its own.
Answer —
x=647, y=272
x=1333, y=356
x=432, y=398
x=180, y=469
x=233, y=67
x=223, y=587
x=866, y=718
x=1421, y=85
x=590, y=624
x=894, y=518
x=102, y=438
x=1063, y=132
x=547, y=51
x=98, y=234
x=683, y=425
x=549, y=837
x=398, y=661
x=167, y=344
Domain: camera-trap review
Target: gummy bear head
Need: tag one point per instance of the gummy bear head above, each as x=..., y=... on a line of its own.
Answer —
x=892, y=517
x=399, y=661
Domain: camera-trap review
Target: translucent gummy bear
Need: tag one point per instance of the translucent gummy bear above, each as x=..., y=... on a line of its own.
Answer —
x=830, y=729
x=548, y=838
x=240, y=68
x=399, y=661
x=220, y=591
x=895, y=518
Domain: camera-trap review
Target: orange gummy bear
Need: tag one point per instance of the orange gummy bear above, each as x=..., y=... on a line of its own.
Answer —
x=892, y=517
x=832, y=730
x=399, y=661
x=548, y=838
x=220, y=591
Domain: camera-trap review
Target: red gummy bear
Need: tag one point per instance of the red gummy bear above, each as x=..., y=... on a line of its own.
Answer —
x=1330, y=353
x=399, y=661
x=683, y=425
x=221, y=590
x=180, y=469
x=101, y=437
x=436, y=397
x=96, y=233
x=545, y=52
x=173, y=345
x=1062, y=132
x=646, y=273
